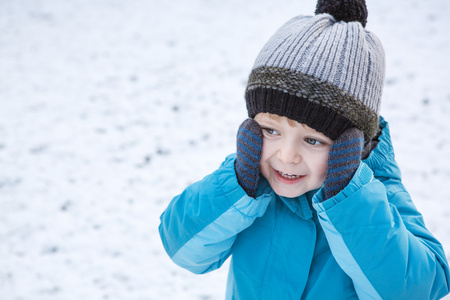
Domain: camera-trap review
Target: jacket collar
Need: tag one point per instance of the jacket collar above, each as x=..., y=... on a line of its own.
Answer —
x=301, y=205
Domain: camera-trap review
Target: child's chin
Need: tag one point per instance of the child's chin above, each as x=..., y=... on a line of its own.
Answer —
x=288, y=193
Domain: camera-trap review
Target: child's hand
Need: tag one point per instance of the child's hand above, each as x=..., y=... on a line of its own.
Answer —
x=249, y=148
x=343, y=160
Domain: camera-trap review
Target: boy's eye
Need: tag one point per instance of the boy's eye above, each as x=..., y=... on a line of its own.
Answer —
x=270, y=131
x=313, y=142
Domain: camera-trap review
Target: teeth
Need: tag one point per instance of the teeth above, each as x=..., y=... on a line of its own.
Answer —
x=290, y=176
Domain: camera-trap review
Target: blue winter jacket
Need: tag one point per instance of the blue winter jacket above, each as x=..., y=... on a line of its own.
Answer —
x=367, y=242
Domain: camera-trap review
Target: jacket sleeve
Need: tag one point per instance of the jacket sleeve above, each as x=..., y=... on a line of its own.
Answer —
x=379, y=238
x=200, y=225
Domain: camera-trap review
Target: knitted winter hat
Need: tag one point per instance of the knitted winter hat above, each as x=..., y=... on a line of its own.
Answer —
x=326, y=71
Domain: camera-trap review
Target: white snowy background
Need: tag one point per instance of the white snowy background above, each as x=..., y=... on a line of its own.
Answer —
x=109, y=108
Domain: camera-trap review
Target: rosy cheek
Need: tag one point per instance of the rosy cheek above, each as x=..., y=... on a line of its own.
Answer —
x=267, y=148
x=323, y=167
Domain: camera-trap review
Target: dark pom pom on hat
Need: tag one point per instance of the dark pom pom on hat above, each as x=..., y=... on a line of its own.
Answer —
x=344, y=10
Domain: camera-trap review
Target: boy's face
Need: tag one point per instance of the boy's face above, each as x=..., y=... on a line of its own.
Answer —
x=294, y=156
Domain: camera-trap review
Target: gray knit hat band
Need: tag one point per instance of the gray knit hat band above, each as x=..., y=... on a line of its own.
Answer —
x=335, y=65
x=319, y=92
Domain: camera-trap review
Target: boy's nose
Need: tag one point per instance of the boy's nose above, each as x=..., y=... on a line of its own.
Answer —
x=289, y=153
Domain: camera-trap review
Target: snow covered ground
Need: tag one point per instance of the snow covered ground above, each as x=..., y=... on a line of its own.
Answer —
x=110, y=108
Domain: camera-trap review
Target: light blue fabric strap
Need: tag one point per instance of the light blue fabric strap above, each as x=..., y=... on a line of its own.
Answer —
x=363, y=287
x=344, y=257
x=208, y=249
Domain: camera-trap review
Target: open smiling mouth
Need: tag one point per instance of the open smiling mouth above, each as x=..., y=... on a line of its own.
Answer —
x=289, y=176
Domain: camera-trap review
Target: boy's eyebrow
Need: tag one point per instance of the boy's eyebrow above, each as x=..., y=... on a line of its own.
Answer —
x=267, y=122
x=269, y=118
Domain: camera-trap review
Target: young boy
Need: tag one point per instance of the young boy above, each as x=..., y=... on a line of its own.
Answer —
x=312, y=205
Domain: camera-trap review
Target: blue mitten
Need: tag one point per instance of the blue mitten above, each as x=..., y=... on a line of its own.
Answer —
x=343, y=160
x=249, y=149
